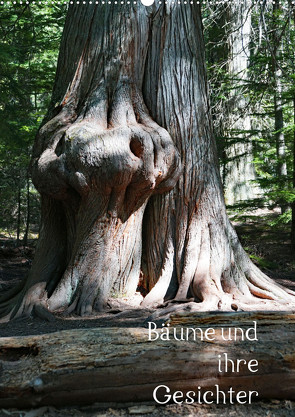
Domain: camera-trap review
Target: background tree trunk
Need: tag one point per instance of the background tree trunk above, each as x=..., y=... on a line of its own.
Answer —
x=28, y=213
x=239, y=184
x=101, y=154
x=19, y=209
x=278, y=107
x=293, y=183
x=229, y=36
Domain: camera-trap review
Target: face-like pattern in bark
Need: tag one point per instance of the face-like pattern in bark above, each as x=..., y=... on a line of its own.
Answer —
x=126, y=163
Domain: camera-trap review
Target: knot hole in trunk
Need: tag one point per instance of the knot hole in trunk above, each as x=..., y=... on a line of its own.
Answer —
x=136, y=147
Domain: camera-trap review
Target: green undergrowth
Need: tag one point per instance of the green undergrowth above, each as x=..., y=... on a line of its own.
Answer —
x=265, y=235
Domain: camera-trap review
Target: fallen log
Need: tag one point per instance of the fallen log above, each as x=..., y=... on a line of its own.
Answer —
x=84, y=366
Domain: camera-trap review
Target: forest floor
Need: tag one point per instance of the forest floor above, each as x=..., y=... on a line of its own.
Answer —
x=268, y=244
x=272, y=408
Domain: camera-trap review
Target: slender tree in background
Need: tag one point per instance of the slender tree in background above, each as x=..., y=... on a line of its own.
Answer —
x=292, y=13
x=29, y=40
x=228, y=32
x=129, y=121
x=293, y=183
x=278, y=109
x=272, y=79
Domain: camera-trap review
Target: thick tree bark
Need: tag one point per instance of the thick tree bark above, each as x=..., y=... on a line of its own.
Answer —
x=100, y=156
x=189, y=245
x=106, y=365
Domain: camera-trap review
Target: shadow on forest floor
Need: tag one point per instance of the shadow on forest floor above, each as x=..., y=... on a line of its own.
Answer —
x=268, y=243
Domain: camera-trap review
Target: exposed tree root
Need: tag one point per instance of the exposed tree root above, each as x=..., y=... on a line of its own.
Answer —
x=237, y=289
x=224, y=303
x=240, y=286
x=219, y=276
x=264, y=295
x=103, y=174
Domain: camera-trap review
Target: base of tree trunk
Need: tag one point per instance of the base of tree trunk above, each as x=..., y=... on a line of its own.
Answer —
x=80, y=366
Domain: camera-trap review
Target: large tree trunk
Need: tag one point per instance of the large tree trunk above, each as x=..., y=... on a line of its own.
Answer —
x=101, y=154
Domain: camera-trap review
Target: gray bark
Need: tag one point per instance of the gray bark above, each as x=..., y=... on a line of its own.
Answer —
x=130, y=107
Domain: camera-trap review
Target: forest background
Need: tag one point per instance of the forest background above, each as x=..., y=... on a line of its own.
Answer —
x=250, y=51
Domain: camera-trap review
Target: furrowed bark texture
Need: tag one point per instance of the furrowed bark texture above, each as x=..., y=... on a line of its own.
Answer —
x=104, y=365
x=190, y=247
x=101, y=154
x=97, y=159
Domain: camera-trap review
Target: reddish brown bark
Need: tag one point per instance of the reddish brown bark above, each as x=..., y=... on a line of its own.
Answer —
x=129, y=109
